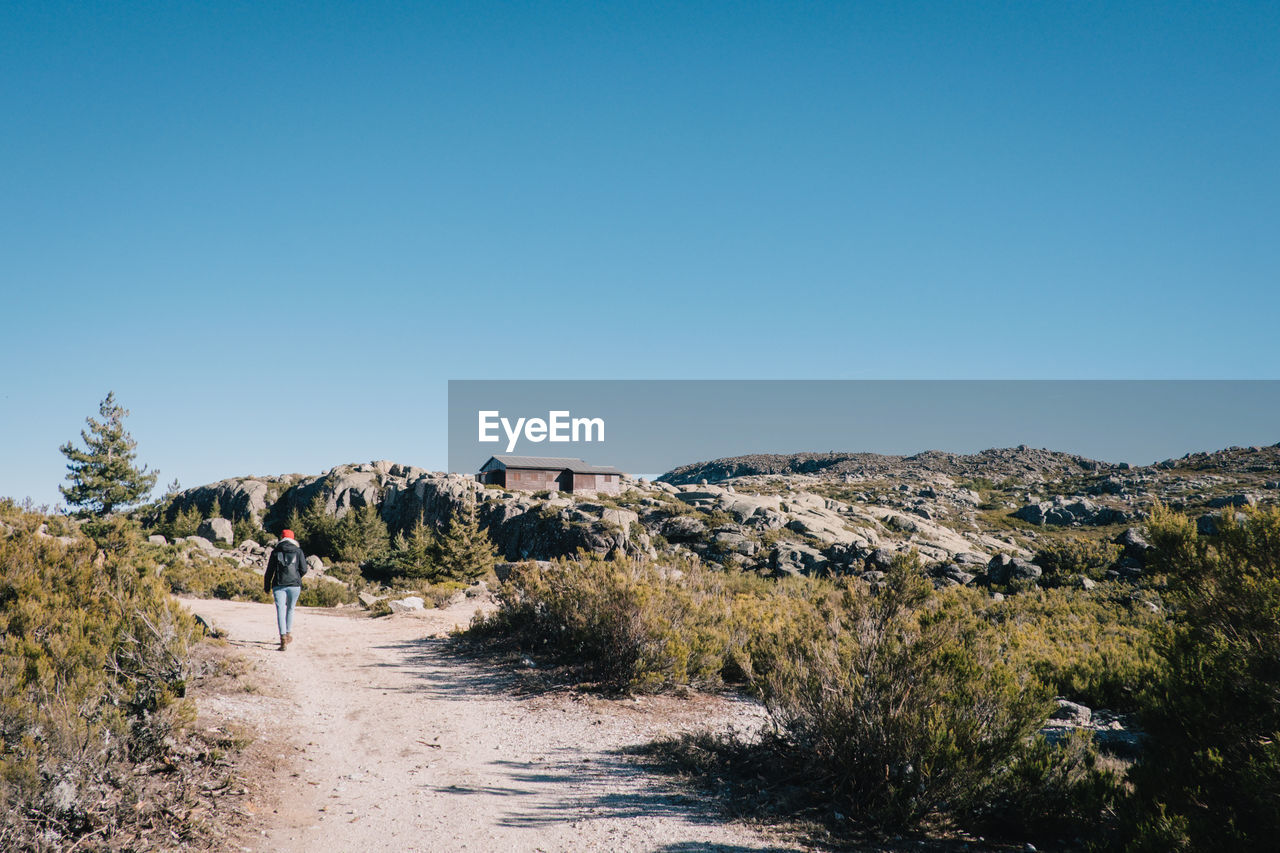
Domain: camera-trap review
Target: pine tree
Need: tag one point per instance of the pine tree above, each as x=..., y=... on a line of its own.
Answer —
x=361, y=535
x=103, y=476
x=417, y=555
x=467, y=552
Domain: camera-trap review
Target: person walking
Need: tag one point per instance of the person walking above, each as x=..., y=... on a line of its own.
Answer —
x=283, y=579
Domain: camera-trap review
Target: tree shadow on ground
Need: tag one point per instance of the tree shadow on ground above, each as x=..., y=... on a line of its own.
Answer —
x=568, y=789
x=444, y=668
x=568, y=784
x=754, y=781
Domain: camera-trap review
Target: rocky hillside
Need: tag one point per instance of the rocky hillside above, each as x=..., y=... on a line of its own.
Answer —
x=1024, y=462
x=980, y=518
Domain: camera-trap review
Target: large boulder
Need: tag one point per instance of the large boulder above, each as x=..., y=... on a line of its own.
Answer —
x=683, y=528
x=1240, y=499
x=822, y=524
x=1003, y=569
x=790, y=558
x=201, y=543
x=1134, y=544
x=730, y=542
x=217, y=530
x=1071, y=713
x=623, y=518
x=410, y=604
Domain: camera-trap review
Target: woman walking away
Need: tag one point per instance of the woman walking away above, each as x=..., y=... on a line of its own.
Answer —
x=283, y=579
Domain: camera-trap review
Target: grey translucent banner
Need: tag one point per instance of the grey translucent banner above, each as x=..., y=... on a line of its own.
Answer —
x=647, y=427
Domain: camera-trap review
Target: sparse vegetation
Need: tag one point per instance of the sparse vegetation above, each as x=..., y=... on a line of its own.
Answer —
x=94, y=664
x=898, y=704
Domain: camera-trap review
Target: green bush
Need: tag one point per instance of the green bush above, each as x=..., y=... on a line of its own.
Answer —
x=348, y=573
x=1051, y=791
x=904, y=706
x=1100, y=648
x=1210, y=776
x=194, y=573
x=322, y=592
x=625, y=625
x=93, y=670
x=1063, y=561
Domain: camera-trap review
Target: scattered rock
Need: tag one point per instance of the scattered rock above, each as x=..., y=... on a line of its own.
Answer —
x=1004, y=569
x=1071, y=712
x=1069, y=511
x=1241, y=499
x=201, y=543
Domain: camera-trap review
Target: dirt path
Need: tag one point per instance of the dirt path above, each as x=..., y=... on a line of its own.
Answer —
x=398, y=744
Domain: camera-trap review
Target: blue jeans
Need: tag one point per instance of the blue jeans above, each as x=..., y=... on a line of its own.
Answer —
x=286, y=597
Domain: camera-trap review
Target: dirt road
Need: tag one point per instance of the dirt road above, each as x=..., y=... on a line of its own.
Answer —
x=399, y=744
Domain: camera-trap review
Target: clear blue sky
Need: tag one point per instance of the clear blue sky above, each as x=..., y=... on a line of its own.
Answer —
x=277, y=229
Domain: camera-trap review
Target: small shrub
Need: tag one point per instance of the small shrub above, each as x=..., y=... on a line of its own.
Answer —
x=206, y=577
x=1051, y=791
x=322, y=592
x=619, y=623
x=1100, y=648
x=1063, y=561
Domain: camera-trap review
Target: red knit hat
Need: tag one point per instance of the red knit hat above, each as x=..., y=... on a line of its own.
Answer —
x=287, y=534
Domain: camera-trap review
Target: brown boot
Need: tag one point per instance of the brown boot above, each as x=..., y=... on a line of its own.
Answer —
x=283, y=641
x=288, y=638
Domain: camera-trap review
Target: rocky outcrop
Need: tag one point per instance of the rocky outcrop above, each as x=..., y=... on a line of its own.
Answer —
x=971, y=518
x=1066, y=512
x=237, y=498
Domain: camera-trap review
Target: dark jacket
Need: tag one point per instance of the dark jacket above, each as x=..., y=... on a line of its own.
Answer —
x=286, y=566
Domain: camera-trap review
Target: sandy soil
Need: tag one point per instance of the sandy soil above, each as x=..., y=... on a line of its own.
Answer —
x=383, y=739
